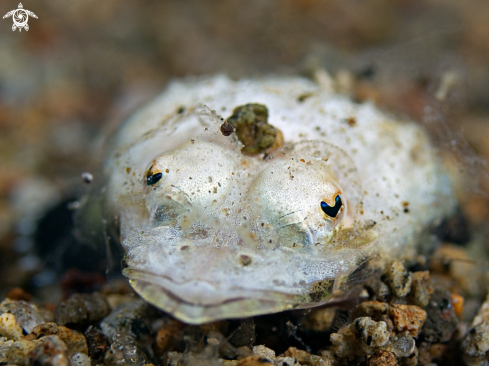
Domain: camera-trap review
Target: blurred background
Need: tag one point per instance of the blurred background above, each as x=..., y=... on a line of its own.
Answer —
x=85, y=64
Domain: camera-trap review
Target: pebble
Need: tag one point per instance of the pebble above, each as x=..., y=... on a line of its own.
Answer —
x=373, y=333
x=300, y=355
x=124, y=350
x=4, y=349
x=97, y=343
x=264, y=352
x=82, y=309
x=9, y=328
x=372, y=309
x=18, y=293
x=407, y=318
x=79, y=359
x=411, y=360
x=379, y=290
x=403, y=345
x=17, y=354
x=398, y=279
x=320, y=319
x=476, y=343
x=75, y=341
x=27, y=315
x=382, y=358
x=42, y=330
x=133, y=318
x=167, y=334
x=49, y=350
x=286, y=361
x=429, y=352
x=421, y=288
x=441, y=319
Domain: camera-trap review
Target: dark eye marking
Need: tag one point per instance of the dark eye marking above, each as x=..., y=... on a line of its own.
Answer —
x=153, y=179
x=332, y=211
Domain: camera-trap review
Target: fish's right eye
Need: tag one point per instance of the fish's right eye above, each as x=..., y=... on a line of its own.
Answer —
x=153, y=178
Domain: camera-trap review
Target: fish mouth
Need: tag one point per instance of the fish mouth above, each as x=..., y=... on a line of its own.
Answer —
x=240, y=303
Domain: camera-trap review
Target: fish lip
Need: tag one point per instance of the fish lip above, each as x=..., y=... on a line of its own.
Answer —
x=200, y=313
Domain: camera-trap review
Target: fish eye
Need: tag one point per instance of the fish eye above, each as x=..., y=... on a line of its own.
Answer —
x=153, y=178
x=332, y=211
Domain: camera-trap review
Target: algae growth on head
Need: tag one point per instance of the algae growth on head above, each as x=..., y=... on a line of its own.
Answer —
x=239, y=198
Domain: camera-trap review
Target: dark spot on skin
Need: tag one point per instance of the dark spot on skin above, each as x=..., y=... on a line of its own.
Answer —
x=245, y=259
x=366, y=73
x=227, y=128
x=153, y=179
x=351, y=121
x=181, y=110
x=301, y=98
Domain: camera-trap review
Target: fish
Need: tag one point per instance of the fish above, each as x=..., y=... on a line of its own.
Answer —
x=236, y=198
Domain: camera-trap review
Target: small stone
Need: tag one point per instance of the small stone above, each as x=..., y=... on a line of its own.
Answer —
x=398, y=279
x=476, y=344
x=173, y=358
x=346, y=344
x=124, y=350
x=421, y=288
x=372, y=309
x=441, y=319
x=51, y=345
x=46, y=351
x=243, y=352
x=19, y=350
x=458, y=304
x=265, y=352
x=411, y=360
x=255, y=361
x=97, y=343
x=320, y=319
x=379, y=290
x=9, y=328
x=402, y=345
x=42, y=330
x=300, y=355
x=133, y=318
x=75, y=341
x=18, y=293
x=319, y=361
x=407, y=318
x=79, y=359
x=428, y=352
x=382, y=358
x=285, y=361
x=373, y=333
x=82, y=309
x=27, y=315
x=167, y=334
x=244, y=335
x=4, y=349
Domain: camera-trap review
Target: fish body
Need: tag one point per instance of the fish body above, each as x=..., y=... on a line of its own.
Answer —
x=212, y=232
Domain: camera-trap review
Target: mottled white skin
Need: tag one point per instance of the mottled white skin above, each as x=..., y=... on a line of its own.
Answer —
x=189, y=238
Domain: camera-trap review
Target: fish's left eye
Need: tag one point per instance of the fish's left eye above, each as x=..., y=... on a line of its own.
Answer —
x=332, y=211
x=153, y=179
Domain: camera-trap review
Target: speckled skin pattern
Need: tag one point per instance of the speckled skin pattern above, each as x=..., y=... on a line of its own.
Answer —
x=223, y=234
